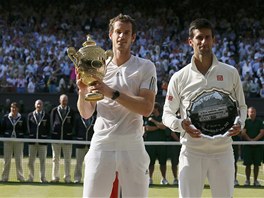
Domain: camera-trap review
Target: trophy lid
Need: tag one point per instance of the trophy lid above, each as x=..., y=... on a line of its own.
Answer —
x=90, y=52
x=89, y=42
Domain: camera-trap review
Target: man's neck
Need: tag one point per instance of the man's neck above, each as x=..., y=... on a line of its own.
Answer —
x=203, y=63
x=120, y=57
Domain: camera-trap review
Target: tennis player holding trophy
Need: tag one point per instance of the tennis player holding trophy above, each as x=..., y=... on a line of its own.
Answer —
x=210, y=98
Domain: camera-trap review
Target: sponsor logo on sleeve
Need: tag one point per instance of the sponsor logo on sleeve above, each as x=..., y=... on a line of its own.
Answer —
x=220, y=77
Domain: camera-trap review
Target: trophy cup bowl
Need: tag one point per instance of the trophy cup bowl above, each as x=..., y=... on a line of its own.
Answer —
x=90, y=62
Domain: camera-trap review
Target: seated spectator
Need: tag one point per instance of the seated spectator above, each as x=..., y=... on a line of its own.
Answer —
x=261, y=92
x=62, y=85
x=21, y=84
x=52, y=84
x=31, y=88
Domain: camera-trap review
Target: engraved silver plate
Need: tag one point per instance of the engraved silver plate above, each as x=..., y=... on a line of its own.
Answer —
x=213, y=112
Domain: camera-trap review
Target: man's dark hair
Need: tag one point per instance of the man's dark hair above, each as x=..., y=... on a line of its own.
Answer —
x=157, y=106
x=199, y=24
x=15, y=105
x=125, y=19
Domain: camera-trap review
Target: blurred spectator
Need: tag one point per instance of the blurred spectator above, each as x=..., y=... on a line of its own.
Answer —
x=52, y=84
x=261, y=92
x=72, y=88
x=21, y=84
x=31, y=88
x=40, y=84
x=254, y=88
x=62, y=85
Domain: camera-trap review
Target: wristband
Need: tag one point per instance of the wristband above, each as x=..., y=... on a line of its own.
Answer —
x=116, y=94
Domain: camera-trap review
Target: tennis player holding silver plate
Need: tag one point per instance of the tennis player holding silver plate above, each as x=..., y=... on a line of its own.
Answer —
x=207, y=93
x=213, y=112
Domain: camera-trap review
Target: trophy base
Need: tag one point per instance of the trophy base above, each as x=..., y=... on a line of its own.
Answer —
x=94, y=96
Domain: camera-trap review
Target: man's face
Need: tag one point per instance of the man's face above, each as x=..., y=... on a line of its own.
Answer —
x=64, y=101
x=39, y=106
x=14, y=110
x=202, y=42
x=252, y=113
x=121, y=36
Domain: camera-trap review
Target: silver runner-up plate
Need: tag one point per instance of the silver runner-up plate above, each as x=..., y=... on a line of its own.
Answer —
x=213, y=112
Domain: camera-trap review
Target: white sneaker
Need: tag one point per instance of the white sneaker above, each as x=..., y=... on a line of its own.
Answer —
x=29, y=180
x=150, y=181
x=77, y=181
x=236, y=183
x=247, y=183
x=164, y=182
x=256, y=183
x=175, y=182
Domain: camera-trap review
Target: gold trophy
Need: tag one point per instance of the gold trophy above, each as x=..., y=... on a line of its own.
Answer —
x=90, y=61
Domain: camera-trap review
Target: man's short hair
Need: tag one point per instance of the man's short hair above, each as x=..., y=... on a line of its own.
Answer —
x=125, y=19
x=199, y=24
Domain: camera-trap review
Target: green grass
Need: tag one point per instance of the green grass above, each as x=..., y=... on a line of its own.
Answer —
x=15, y=189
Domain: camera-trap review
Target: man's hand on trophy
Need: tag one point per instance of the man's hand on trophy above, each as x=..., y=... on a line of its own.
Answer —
x=191, y=129
x=83, y=89
x=99, y=86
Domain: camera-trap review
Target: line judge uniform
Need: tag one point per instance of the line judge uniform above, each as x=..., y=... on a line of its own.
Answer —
x=38, y=127
x=13, y=127
x=62, y=125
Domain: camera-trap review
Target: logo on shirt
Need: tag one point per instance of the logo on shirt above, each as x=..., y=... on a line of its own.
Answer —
x=170, y=98
x=220, y=77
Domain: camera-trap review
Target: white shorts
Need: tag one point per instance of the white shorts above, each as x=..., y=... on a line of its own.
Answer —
x=193, y=170
x=101, y=167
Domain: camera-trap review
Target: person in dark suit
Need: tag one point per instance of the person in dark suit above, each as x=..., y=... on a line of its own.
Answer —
x=13, y=125
x=38, y=123
x=84, y=132
x=62, y=126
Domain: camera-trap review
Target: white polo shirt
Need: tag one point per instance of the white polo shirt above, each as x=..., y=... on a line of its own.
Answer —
x=116, y=127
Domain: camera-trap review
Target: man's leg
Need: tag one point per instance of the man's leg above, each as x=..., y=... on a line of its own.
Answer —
x=133, y=173
x=221, y=175
x=192, y=174
x=18, y=154
x=32, y=149
x=8, y=152
x=56, y=152
x=42, y=152
x=67, y=153
x=100, y=173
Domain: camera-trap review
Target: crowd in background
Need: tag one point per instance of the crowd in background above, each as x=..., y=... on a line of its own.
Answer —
x=35, y=37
